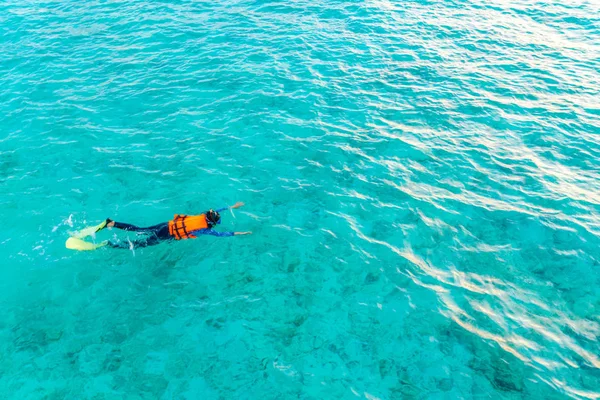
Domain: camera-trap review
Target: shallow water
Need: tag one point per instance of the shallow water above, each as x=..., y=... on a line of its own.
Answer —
x=421, y=177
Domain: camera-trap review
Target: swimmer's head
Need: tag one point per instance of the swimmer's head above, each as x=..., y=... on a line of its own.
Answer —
x=213, y=218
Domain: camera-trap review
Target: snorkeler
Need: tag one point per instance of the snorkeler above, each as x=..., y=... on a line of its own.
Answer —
x=179, y=228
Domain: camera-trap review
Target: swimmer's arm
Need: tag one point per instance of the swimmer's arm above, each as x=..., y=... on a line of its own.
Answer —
x=218, y=234
x=236, y=205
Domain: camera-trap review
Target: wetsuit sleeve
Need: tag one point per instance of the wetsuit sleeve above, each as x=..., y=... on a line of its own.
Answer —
x=222, y=209
x=211, y=232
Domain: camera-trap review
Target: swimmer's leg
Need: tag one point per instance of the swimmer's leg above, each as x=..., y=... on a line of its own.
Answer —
x=132, y=228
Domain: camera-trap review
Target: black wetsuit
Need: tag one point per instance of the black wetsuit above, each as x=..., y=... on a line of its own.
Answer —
x=156, y=234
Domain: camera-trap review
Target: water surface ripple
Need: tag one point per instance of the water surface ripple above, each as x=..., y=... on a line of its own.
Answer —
x=422, y=179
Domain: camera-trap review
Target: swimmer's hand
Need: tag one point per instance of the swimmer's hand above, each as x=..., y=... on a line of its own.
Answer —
x=237, y=205
x=241, y=233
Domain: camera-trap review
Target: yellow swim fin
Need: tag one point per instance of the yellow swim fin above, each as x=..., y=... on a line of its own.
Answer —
x=90, y=230
x=74, y=243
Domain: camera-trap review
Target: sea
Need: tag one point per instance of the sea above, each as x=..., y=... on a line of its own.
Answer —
x=421, y=179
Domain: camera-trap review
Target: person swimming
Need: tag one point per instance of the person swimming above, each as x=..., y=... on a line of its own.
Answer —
x=179, y=228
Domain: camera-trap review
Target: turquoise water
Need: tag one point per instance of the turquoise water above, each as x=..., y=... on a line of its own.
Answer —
x=422, y=179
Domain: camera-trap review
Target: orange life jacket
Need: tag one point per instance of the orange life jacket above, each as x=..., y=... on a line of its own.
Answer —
x=181, y=225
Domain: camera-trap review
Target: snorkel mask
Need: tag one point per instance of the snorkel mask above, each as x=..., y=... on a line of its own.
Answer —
x=212, y=217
